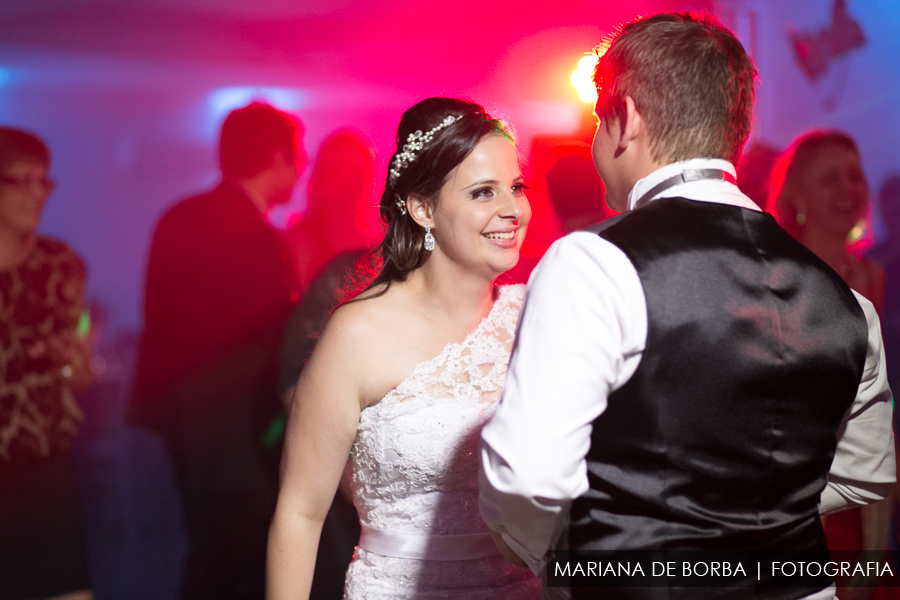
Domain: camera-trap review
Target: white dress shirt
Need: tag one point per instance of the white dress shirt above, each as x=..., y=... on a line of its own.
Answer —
x=583, y=330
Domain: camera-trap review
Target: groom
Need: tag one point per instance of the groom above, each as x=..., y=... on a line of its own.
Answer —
x=686, y=375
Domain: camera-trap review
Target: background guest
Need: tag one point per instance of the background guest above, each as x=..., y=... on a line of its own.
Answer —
x=887, y=252
x=341, y=207
x=819, y=194
x=44, y=361
x=577, y=194
x=754, y=172
x=327, y=241
x=219, y=289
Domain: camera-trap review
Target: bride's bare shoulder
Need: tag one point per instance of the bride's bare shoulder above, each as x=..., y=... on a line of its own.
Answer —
x=366, y=337
x=365, y=328
x=366, y=315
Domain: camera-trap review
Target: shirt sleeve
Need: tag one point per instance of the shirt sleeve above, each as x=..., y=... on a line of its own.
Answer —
x=581, y=332
x=864, y=469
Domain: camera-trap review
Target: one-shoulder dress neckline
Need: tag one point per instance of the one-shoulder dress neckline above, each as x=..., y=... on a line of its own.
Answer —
x=505, y=294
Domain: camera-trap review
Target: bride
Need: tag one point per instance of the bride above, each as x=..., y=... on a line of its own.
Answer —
x=405, y=376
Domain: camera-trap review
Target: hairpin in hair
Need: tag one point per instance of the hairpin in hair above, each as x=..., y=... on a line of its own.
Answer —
x=414, y=143
x=401, y=204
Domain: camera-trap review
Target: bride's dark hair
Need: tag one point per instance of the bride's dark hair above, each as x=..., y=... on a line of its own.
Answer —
x=401, y=250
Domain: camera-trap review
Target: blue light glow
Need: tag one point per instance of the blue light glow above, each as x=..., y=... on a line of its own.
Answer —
x=224, y=100
x=6, y=76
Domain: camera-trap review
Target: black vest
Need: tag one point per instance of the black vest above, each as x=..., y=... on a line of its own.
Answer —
x=723, y=437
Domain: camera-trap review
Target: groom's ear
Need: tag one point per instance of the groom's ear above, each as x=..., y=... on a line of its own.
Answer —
x=631, y=126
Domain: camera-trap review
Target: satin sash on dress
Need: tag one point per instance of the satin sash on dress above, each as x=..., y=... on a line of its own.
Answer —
x=427, y=547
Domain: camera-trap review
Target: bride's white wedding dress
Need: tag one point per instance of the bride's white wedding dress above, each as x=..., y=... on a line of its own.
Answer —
x=415, y=476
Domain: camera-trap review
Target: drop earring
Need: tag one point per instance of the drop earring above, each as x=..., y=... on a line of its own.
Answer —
x=429, y=238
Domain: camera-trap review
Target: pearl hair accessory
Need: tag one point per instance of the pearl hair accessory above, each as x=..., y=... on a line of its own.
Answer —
x=414, y=143
x=401, y=204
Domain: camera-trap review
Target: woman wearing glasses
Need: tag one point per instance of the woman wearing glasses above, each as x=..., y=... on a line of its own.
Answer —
x=44, y=360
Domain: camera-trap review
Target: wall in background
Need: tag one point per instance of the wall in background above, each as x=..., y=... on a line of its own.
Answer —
x=130, y=95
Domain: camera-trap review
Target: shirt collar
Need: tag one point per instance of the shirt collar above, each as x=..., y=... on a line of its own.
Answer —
x=255, y=197
x=707, y=190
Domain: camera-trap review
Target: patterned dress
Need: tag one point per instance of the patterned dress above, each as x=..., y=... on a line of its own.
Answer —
x=415, y=476
x=40, y=298
x=44, y=549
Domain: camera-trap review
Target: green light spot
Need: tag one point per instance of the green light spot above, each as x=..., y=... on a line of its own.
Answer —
x=84, y=325
x=275, y=432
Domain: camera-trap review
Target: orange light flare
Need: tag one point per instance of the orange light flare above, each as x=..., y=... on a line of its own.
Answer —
x=581, y=78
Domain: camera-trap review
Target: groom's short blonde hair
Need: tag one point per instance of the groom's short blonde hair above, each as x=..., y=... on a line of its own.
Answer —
x=691, y=81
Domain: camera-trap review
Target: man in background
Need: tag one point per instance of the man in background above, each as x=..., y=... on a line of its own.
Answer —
x=219, y=290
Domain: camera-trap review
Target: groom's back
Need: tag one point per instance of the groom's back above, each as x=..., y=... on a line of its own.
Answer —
x=723, y=437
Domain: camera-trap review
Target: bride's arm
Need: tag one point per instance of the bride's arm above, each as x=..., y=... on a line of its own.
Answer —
x=321, y=429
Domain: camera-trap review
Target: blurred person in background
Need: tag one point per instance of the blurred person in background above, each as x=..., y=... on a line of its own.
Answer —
x=219, y=289
x=577, y=194
x=327, y=241
x=819, y=194
x=887, y=253
x=340, y=207
x=754, y=172
x=44, y=362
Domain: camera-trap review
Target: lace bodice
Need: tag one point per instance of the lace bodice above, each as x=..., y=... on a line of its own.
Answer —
x=415, y=460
